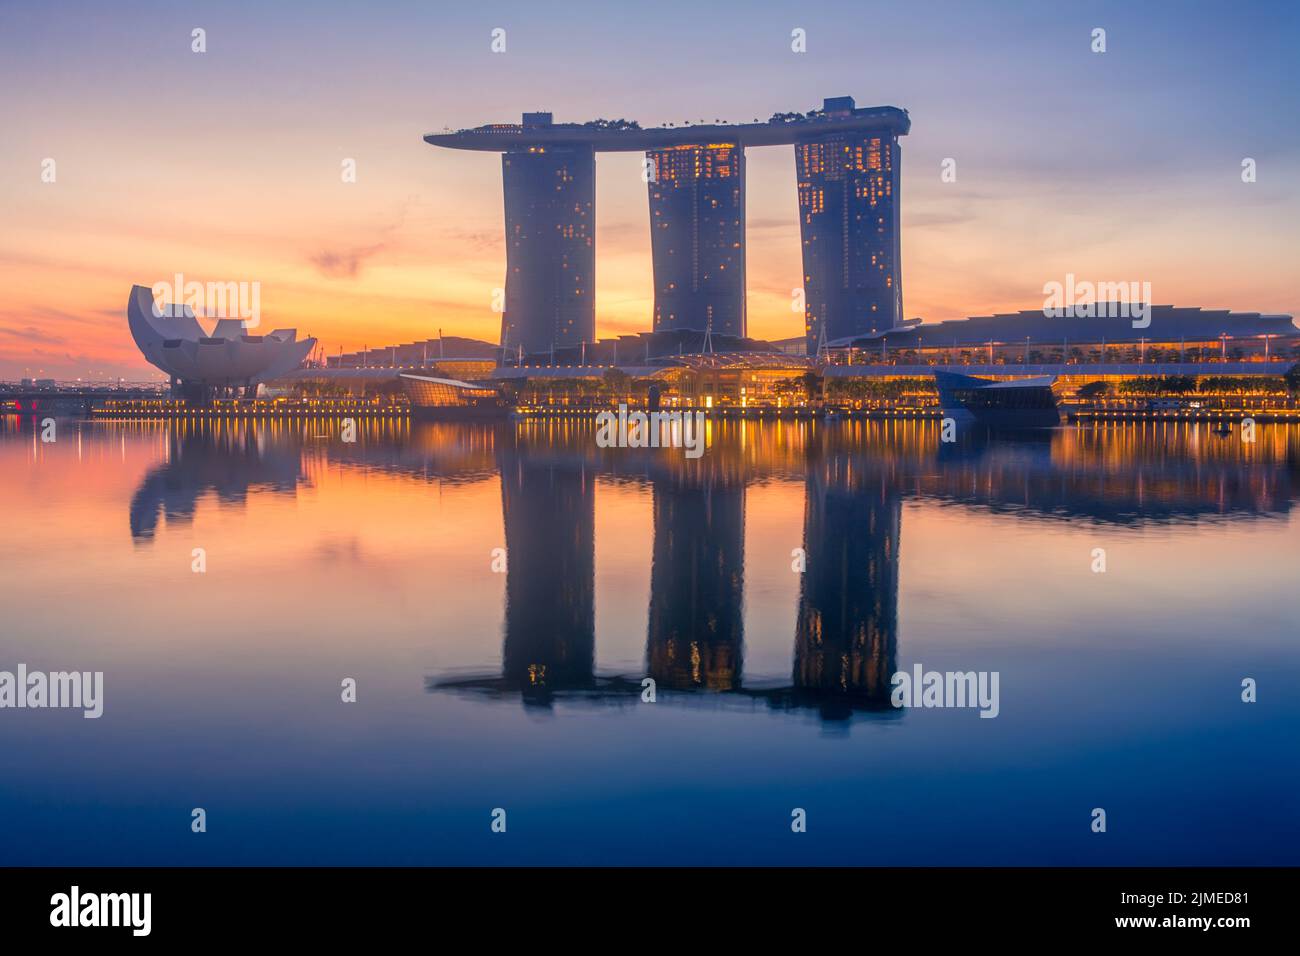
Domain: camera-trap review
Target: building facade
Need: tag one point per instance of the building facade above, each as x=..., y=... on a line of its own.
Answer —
x=203, y=364
x=1169, y=334
x=550, y=200
x=697, y=237
x=848, y=165
x=849, y=227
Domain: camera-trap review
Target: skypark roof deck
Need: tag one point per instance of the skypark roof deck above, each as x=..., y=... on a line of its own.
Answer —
x=784, y=129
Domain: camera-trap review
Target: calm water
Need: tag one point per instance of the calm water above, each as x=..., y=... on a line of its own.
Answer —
x=522, y=690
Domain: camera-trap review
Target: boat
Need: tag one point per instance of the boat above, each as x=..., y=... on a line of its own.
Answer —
x=1019, y=403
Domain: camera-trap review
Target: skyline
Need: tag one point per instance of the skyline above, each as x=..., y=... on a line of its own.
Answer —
x=1100, y=165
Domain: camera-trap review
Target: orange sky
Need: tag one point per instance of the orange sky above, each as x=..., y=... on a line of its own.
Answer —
x=227, y=167
x=400, y=254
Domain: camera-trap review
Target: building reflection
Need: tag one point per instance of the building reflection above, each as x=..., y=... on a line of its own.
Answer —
x=846, y=632
x=220, y=458
x=231, y=459
x=856, y=476
x=439, y=452
x=1137, y=475
x=695, y=638
x=845, y=643
x=549, y=510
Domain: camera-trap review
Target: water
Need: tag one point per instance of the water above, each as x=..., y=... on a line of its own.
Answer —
x=522, y=690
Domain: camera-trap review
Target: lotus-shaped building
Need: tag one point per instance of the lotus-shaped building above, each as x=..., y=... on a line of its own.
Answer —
x=202, y=364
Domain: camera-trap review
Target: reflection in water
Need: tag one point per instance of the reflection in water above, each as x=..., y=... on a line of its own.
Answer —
x=847, y=631
x=232, y=458
x=695, y=639
x=1130, y=475
x=549, y=507
x=210, y=457
x=856, y=477
x=452, y=454
x=372, y=560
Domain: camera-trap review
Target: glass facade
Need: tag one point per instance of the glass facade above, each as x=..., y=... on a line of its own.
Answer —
x=849, y=227
x=550, y=198
x=847, y=161
x=697, y=237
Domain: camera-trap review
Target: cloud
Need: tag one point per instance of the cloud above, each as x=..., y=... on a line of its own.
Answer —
x=478, y=241
x=30, y=333
x=345, y=263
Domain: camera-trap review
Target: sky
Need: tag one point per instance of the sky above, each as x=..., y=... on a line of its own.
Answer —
x=227, y=165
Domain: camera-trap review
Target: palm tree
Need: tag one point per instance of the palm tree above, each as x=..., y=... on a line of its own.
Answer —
x=814, y=385
x=1292, y=379
x=616, y=381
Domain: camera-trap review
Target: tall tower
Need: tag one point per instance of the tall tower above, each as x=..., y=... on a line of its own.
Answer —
x=697, y=237
x=550, y=198
x=849, y=225
x=848, y=166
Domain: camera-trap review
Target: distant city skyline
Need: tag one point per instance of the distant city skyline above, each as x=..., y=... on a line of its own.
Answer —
x=228, y=165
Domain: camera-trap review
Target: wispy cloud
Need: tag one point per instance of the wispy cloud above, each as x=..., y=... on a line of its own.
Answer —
x=30, y=333
x=345, y=263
